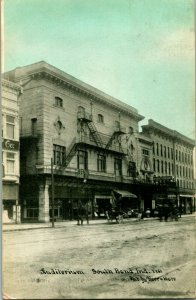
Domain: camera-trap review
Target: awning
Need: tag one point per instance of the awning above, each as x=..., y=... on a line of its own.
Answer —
x=125, y=194
x=187, y=196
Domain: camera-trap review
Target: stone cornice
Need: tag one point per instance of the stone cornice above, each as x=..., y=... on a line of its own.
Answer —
x=173, y=134
x=44, y=70
x=11, y=85
x=86, y=93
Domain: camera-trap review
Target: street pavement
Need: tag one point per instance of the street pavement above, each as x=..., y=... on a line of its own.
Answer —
x=147, y=259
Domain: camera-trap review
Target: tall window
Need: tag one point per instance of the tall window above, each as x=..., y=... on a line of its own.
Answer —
x=162, y=167
x=153, y=150
x=118, y=166
x=10, y=162
x=10, y=124
x=82, y=160
x=58, y=102
x=169, y=168
x=165, y=167
x=158, y=167
x=165, y=154
x=179, y=156
x=34, y=126
x=172, y=154
x=168, y=152
x=157, y=149
x=161, y=150
x=100, y=118
x=131, y=169
x=176, y=154
x=58, y=154
x=154, y=165
x=101, y=163
x=176, y=169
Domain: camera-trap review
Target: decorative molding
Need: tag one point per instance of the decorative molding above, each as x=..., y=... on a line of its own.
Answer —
x=58, y=124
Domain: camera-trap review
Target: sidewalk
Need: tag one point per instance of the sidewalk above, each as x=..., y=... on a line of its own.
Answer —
x=60, y=224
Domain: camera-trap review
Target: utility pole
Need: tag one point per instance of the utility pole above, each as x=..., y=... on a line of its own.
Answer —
x=52, y=184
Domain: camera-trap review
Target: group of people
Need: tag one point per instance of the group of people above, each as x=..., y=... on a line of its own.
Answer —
x=162, y=211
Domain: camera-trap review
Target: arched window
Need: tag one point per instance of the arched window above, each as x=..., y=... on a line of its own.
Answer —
x=100, y=118
x=58, y=102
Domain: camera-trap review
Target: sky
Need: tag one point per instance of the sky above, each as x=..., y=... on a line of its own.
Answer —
x=138, y=51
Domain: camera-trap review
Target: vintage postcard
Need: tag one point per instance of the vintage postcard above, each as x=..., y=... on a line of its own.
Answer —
x=98, y=149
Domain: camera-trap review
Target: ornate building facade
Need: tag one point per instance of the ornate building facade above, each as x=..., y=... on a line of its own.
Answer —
x=89, y=135
x=10, y=151
x=173, y=162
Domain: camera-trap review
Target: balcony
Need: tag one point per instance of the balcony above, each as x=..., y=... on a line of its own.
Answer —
x=88, y=140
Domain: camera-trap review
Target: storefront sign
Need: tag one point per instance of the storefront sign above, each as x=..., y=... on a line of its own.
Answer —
x=10, y=145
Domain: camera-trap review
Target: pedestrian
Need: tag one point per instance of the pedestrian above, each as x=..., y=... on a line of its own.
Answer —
x=139, y=215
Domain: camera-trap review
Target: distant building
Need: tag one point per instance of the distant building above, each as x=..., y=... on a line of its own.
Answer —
x=90, y=136
x=10, y=150
x=173, y=159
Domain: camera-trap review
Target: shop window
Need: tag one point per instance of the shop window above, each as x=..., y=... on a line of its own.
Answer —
x=10, y=162
x=118, y=166
x=101, y=163
x=82, y=160
x=58, y=155
x=10, y=127
x=58, y=102
x=100, y=118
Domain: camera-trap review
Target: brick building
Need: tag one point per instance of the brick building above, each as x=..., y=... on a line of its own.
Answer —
x=10, y=150
x=173, y=164
x=91, y=136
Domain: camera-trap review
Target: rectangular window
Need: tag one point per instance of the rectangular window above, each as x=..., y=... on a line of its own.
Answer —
x=100, y=118
x=58, y=102
x=118, y=166
x=101, y=163
x=34, y=126
x=10, y=125
x=131, y=169
x=145, y=152
x=58, y=154
x=10, y=162
x=82, y=160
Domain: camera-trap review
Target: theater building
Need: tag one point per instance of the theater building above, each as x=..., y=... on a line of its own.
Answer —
x=172, y=165
x=92, y=138
x=10, y=151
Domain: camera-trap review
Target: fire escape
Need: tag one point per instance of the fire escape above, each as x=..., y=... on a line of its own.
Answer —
x=94, y=140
